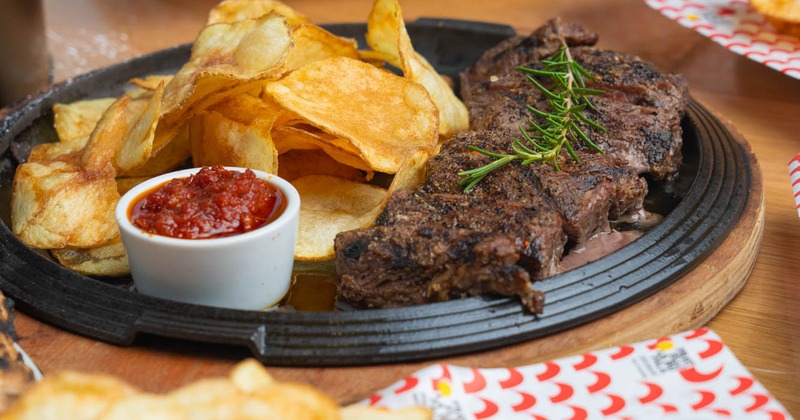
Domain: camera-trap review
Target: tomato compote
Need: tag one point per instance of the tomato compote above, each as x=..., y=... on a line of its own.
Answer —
x=215, y=202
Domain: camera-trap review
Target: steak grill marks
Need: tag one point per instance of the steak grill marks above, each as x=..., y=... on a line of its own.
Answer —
x=437, y=243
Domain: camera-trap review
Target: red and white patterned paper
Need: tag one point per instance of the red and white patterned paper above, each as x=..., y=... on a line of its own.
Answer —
x=737, y=26
x=794, y=173
x=689, y=375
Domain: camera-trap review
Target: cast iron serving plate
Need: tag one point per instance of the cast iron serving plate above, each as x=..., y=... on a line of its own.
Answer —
x=714, y=189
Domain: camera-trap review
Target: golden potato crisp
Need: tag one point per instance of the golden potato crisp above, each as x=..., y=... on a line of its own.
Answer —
x=69, y=395
x=151, y=82
x=386, y=31
x=53, y=203
x=77, y=119
x=249, y=375
x=263, y=88
x=74, y=123
x=387, y=35
x=248, y=110
x=216, y=140
x=312, y=43
x=124, y=184
x=59, y=150
x=305, y=137
x=123, y=137
x=385, y=117
x=412, y=174
x=105, y=260
x=360, y=412
x=175, y=153
x=228, y=11
x=227, y=59
x=330, y=205
x=297, y=163
x=141, y=120
x=248, y=393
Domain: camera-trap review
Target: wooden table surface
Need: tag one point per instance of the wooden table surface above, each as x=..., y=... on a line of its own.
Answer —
x=761, y=324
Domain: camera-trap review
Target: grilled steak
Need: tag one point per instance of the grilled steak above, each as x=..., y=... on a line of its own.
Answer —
x=436, y=247
x=586, y=193
x=536, y=231
x=390, y=266
x=438, y=243
x=641, y=108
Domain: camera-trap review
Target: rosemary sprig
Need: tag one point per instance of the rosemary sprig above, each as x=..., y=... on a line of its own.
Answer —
x=542, y=142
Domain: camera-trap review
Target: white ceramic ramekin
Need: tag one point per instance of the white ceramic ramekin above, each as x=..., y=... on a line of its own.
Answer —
x=249, y=271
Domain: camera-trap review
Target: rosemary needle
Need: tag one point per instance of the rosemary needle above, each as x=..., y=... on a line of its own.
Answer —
x=543, y=142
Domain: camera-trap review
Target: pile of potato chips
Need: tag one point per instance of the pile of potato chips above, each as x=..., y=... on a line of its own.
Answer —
x=249, y=392
x=264, y=89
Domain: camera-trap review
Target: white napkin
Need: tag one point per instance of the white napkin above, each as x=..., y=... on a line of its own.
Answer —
x=691, y=375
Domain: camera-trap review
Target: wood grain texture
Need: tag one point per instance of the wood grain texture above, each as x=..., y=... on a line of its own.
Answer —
x=760, y=323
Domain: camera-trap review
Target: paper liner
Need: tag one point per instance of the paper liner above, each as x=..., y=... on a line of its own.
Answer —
x=37, y=374
x=794, y=173
x=688, y=375
x=737, y=26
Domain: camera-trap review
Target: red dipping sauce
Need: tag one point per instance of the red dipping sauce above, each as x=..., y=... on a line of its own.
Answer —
x=215, y=202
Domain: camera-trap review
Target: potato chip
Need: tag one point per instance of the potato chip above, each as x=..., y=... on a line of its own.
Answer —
x=142, y=406
x=248, y=110
x=412, y=174
x=288, y=138
x=125, y=184
x=387, y=34
x=249, y=375
x=171, y=156
x=123, y=137
x=330, y=205
x=263, y=86
x=453, y=114
x=77, y=120
x=288, y=401
x=227, y=59
x=67, y=151
x=298, y=163
x=107, y=138
x=69, y=395
x=53, y=202
x=239, y=51
x=376, y=58
x=360, y=412
x=402, y=118
x=228, y=11
x=216, y=140
x=151, y=82
x=305, y=137
x=106, y=260
x=137, y=146
x=74, y=123
x=312, y=43
x=249, y=392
